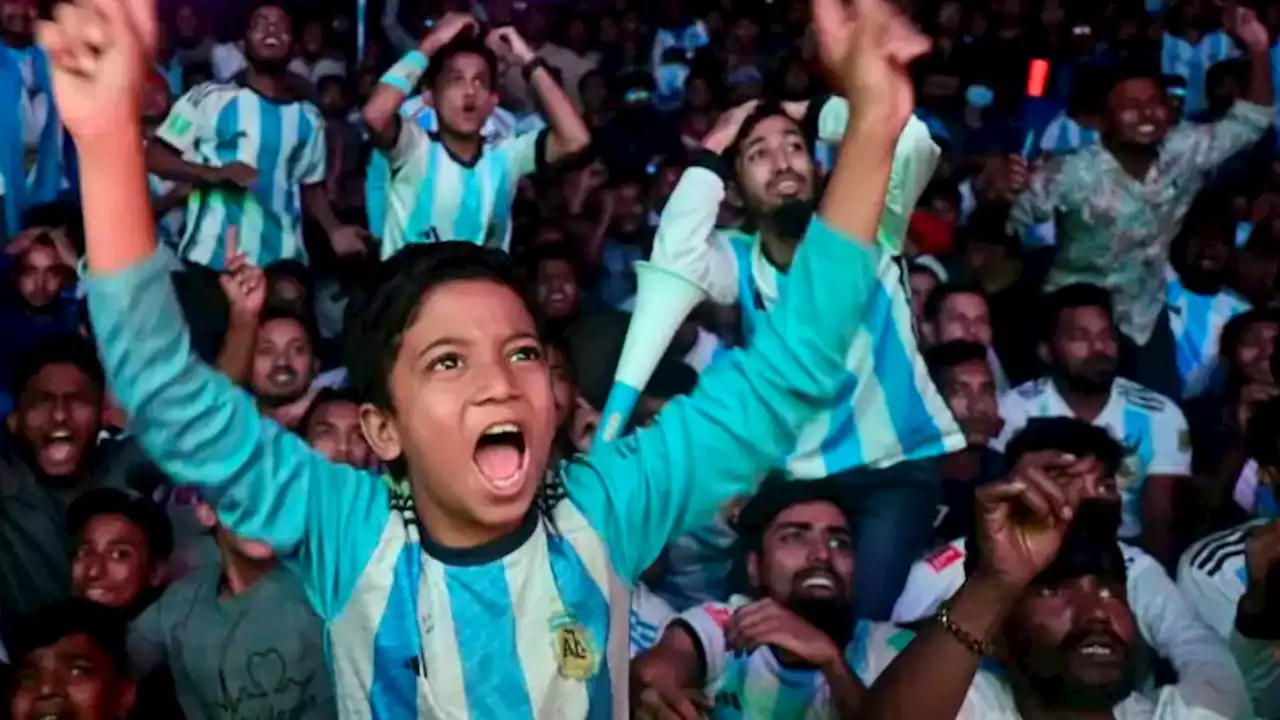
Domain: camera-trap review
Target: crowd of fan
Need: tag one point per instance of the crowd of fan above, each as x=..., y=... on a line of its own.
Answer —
x=1089, y=276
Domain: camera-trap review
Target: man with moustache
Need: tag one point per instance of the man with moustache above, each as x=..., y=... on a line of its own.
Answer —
x=1081, y=350
x=284, y=365
x=778, y=654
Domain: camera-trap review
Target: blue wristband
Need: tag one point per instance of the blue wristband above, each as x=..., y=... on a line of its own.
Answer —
x=406, y=73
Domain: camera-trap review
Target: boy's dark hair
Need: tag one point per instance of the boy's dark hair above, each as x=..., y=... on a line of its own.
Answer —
x=461, y=45
x=1071, y=297
x=765, y=110
x=562, y=251
x=44, y=627
x=253, y=8
x=59, y=214
x=944, y=358
x=1066, y=435
x=271, y=314
x=56, y=350
x=776, y=494
x=933, y=304
x=324, y=397
x=1129, y=69
x=1233, y=332
x=150, y=519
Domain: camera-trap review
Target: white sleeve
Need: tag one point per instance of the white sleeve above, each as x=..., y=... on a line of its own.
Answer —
x=191, y=118
x=410, y=140
x=686, y=230
x=1013, y=411
x=708, y=622
x=1170, y=442
x=931, y=582
x=1171, y=704
x=1211, y=602
x=1207, y=676
x=521, y=151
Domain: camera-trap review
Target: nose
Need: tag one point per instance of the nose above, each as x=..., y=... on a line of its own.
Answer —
x=497, y=383
x=819, y=551
x=94, y=567
x=60, y=410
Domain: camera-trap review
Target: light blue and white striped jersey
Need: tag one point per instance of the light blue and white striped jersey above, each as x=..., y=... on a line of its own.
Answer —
x=1150, y=426
x=1212, y=575
x=435, y=196
x=753, y=685
x=1192, y=61
x=218, y=124
x=533, y=625
x=1197, y=322
x=1063, y=135
x=890, y=410
x=169, y=227
x=649, y=617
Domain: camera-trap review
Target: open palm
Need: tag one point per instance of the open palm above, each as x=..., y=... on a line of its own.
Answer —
x=100, y=52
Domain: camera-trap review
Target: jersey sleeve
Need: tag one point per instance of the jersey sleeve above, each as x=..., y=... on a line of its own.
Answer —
x=707, y=623
x=202, y=430
x=1014, y=411
x=745, y=414
x=686, y=241
x=1170, y=442
x=1207, y=677
x=930, y=582
x=191, y=120
x=874, y=647
x=315, y=155
x=1212, y=603
x=146, y=640
x=410, y=140
x=525, y=153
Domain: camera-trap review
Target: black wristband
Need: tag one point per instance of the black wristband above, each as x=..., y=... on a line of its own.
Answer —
x=532, y=66
x=712, y=161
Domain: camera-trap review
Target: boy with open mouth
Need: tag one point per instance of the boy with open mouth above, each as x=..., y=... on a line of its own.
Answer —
x=476, y=581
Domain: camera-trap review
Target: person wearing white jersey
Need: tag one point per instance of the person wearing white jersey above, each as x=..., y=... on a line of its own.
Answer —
x=1081, y=350
x=1165, y=620
x=1213, y=575
x=450, y=184
x=254, y=151
x=779, y=653
x=892, y=413
x=1042, y=626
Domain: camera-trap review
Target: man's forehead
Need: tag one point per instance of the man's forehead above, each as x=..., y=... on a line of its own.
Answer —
x=817, y=513
x=771, y=128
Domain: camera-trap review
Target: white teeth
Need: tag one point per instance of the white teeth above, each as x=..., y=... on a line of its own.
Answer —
x=1098, y=650
x=60, y=435
x=502, y=428
x=819, y=582
x=1146, y=129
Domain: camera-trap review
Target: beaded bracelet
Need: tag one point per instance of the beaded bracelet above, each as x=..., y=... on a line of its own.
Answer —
x=973, y=644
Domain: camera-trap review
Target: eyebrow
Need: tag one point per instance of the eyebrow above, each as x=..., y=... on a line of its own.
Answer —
x=448, y=341
x=832, y=529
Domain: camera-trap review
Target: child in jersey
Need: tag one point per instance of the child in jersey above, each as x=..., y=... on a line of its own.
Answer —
x=476, y=580
x=451, y=184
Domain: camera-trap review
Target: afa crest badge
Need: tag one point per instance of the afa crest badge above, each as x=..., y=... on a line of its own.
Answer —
x=574, y=649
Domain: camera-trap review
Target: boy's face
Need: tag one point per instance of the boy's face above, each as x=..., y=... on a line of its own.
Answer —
x=557, y=289
x=463, y=94
x=283, y=364
x=40, y=276
x=72, y=679
x=472, y=415
x=112, y=565
x=270, y=36
x=1139, y=113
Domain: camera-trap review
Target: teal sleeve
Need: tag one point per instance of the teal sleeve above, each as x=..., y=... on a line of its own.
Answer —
x=1257, y=662
x=703, y=450
x=203, y=431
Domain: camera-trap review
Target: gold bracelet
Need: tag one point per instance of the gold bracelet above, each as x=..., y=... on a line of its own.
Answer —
x=973, y=644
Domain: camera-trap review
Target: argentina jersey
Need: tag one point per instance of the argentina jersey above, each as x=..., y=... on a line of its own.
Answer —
x=1197, y=321
x=436, y=196
x=1192, y=61
x=1212, y=576
x=1150, y=427
x=649, y=617
x=169, y=227
x=218, y=124
x=753, y=685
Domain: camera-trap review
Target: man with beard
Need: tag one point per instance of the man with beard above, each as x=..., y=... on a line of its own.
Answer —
x=284, y=365
x=882, y=439
x=781, y=653
x=1081, y=350
x=451, y=185
x=254, y=152
x=1200, y=301
x=1042, y=626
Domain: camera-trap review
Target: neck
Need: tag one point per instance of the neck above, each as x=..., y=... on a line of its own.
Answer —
x=448, y=531
x=780, y=252
x=271, y=83
x=240, y=573
x=1085, y=406
x=466, y=147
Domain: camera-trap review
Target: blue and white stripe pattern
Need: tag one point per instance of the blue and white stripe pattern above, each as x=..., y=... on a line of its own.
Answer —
x=1192, y=61
x=1063, y=136
x=169, y=227
x=1197, y=322
x=219, y=124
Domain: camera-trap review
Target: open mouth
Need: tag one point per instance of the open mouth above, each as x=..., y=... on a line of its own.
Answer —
x=1101, y=648
x=282, y=375
x=59, y=446
x=501, y=457
x=272, y=42
x=819, y=584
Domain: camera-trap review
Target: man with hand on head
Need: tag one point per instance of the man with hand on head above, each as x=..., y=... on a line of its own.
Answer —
x=473, y=527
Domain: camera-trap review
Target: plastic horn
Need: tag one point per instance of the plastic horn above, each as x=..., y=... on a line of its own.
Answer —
x=664, y=299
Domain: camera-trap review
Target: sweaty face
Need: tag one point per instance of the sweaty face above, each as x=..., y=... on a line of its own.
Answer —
x=112, y=565
x=1138, y=113
x=1085, y=352
x=1074, y=643
x=40, y=276
x=970, y=391
x=71, y=679
x=464, y=95
x=283, y=363
x=58, y=418
x=557, y=289
x=964, y=316
x=472, y=414
x=1253, y=354
x=270, y=36
x=774, y=167
x=334, y=431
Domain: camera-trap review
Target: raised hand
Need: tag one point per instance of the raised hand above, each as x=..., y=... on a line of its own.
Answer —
x=244, y=284
x=1021, y=520
x=100, y=55
x=449, y=27
x=1243, y=23
x=508, y=44
x=727, y=127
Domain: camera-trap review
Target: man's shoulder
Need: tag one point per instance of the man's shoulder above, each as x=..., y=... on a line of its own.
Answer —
x=1026, y=393
x=1144, y=399
x=211, y=93
x=1218, y=553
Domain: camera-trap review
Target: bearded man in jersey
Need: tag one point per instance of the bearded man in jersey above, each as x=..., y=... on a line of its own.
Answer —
x=780, y=653
x=882, y=440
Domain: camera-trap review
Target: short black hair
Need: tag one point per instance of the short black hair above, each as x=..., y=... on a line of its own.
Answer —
x=933, y=304
x=1066, y=435
x=290, y=270
x=776, y=494
x=67, y=349
x=464, y=44
x=105, y=626
x=766, y=109
x=1072, y=297
x=150, y=519
x=1233, y=332
x=324, y=397
x=563, y=251
x=944, y=358
x=272, y=314
x=1133, y=68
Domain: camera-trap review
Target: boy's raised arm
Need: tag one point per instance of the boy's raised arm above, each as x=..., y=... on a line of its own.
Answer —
x=747, y=410
x=195, y=424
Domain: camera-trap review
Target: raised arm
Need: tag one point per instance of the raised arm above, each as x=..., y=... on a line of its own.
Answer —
x=747, y=410
x=569, y=134
x=194, y=423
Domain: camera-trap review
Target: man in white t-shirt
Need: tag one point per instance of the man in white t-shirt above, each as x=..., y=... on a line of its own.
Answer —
x=1082, y=352
x=781, y=653
x=1213, y=575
